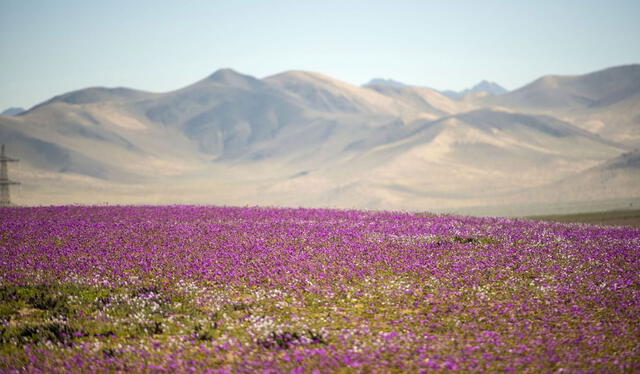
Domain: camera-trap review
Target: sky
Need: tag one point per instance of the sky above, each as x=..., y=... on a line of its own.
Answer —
x=51, y=47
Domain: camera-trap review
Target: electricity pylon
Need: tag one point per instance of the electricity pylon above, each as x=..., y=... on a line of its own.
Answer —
x=5, y=198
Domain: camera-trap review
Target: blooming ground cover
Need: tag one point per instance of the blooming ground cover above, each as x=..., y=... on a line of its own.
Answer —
x=196, y=289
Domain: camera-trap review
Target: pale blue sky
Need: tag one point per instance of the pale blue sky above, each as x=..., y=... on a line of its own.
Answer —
x=49, y=47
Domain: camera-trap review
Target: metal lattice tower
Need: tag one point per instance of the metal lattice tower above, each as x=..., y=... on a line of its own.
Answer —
x=5, y=198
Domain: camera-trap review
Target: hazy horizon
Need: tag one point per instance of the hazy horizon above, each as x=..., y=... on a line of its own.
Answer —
x=52, y=48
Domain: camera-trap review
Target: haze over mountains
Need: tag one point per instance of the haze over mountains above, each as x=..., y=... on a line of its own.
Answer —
x=302, y=138
x=14, y=111
x=483, y=87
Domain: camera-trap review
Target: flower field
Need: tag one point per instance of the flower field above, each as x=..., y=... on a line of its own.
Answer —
x=246, y=290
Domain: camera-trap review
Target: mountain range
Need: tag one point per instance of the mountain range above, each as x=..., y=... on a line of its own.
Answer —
x=484, y=87
x=303, y=138
x=13, y=111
